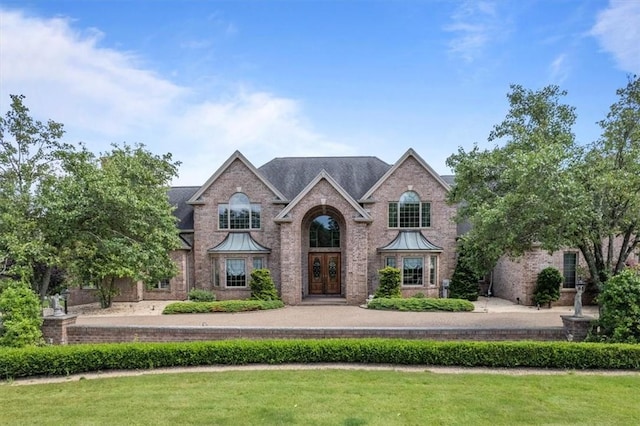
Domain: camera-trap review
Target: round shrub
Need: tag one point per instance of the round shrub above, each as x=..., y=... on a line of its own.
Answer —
x=620, y=308
x=389, y=283
x=21, y=316
x=547, y=286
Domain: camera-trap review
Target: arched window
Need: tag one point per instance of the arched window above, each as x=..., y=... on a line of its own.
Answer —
x=239, y=213
x=324, y=232
x=409, y=212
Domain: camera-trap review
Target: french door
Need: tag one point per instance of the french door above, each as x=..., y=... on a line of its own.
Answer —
x=324, y=273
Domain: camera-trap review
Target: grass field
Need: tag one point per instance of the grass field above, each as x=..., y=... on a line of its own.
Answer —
x=327, y=397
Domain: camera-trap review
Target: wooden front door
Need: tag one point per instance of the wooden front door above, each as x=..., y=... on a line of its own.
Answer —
x=324, y=273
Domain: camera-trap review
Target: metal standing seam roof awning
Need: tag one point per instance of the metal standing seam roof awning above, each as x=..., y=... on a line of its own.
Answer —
x=239, y=242
x=410, y=241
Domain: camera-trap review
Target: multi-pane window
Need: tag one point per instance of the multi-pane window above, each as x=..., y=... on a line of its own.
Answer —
x=164, y=284
x=409, y=212
x=412, y=270
x=324, y=232
x=236, y=273
x=569, y=269
x=239, y=213
x=390, y=262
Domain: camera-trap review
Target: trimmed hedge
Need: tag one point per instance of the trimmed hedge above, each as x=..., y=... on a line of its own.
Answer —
x=73, y=359
x=420, y=304
x=221, y=306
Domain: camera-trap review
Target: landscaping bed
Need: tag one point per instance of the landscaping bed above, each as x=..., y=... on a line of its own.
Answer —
x=420, y=304
x=221, y=306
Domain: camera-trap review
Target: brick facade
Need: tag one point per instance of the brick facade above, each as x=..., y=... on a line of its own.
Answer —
x=515, y=279
x=282, y=239
x=363, y=228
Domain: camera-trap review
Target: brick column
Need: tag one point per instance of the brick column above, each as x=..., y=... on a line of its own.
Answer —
x=54, y=328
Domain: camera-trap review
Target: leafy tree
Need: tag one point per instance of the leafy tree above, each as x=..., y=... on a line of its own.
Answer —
x=620, y=308
x=30, y=155
x=98, y=218
x=21, y=317
x=610, y=196
x=118, y=207
x=464, y=281
x=538, y=186
x=547, y=288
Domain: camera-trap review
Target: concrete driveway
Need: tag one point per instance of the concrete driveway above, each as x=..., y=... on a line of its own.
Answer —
x=489, y=313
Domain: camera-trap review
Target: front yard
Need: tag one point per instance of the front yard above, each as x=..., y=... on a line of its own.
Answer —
x=328, y=397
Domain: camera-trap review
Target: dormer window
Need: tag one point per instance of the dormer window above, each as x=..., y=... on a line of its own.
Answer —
x=409, y=212
x=239, y=213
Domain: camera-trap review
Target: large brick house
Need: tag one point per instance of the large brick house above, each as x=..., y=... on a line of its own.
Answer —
x=323, y=226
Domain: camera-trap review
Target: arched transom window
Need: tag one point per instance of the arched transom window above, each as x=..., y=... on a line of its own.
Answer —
x=239, y=213
x=409, y=212
x=324, y=232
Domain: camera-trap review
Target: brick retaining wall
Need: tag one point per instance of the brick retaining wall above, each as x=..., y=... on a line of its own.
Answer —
x=114, y=334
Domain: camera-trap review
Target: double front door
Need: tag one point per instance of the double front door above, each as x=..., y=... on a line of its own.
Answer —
x=324, y=273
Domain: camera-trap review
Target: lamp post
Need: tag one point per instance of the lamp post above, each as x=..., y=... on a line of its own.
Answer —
x=65, y=297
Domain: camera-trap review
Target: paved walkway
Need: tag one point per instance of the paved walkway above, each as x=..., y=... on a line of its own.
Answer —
x=489, y=313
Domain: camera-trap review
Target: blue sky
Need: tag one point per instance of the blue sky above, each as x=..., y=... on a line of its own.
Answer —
x=201, y=79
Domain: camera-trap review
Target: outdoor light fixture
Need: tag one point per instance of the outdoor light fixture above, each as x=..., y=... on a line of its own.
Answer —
x=65, y=297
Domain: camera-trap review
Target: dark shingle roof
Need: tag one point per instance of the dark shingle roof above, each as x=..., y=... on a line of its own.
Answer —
x=355, y=174
x=178, y=197
x=449, y=179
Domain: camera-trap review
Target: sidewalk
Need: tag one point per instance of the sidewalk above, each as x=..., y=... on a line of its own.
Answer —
x=489, y=313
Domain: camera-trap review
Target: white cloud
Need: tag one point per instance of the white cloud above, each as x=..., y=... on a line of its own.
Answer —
x=105, y=95
x=559, y=69
x=617, y=29
x=475, y=24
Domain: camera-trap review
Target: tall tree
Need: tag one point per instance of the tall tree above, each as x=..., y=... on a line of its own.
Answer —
x=121, y=215
x=610, y=173
x=30, y=155
x=100, y=218
x=539, y=187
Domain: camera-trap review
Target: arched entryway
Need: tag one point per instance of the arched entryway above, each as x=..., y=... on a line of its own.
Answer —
x=323, y=238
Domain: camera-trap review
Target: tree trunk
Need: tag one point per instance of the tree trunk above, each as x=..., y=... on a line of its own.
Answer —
x=44, y=283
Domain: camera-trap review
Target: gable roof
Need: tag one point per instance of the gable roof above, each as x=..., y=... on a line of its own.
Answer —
x=364, y=216
x=178, y=197
x=409, y=153
x=235, y=156
x=291, y=175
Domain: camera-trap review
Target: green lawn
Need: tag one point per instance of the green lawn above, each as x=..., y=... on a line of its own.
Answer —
x=327, y=397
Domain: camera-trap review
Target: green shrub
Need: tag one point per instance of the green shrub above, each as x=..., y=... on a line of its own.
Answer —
x=262, y=286
x=221, y=306
x=73, y=359
x=389, y=283
x=419, y=296
x=197, y=295
x=418, y=304
x=21, y=315
x=620, y=308
x=464, y=281
x=547, y=286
